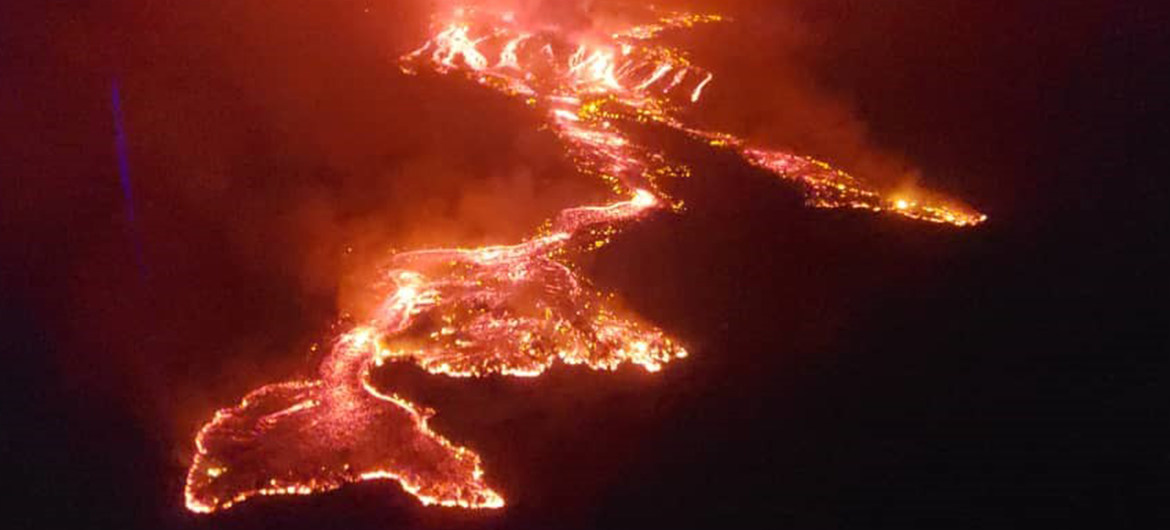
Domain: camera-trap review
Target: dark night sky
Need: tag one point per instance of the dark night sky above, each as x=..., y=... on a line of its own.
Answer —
x=848, y=370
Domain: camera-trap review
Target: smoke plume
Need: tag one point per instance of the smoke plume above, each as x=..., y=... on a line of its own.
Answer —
x=278, y=155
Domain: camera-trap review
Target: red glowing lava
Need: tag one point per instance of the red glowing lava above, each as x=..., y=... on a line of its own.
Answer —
x=510, y=310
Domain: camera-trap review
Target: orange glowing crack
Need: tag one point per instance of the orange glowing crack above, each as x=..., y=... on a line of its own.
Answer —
x=507, y=310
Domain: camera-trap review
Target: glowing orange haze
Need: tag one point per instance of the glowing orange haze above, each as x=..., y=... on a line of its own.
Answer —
x=510, y=310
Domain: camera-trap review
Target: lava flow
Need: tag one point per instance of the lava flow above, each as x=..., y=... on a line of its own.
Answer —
x=507, y=310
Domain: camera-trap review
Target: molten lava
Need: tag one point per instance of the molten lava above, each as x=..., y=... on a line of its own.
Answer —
x=509, y=310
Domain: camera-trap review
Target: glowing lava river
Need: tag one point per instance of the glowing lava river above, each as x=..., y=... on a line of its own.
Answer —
x=507, y=310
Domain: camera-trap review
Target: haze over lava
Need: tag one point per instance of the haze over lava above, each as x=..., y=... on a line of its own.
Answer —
x=512, y=310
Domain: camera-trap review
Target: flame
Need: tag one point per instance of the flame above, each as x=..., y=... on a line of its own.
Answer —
x=510, y=310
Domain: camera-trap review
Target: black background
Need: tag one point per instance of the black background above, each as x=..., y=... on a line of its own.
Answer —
x=847, y=370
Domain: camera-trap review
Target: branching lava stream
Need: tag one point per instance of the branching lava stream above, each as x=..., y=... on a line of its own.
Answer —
x=509, y=310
